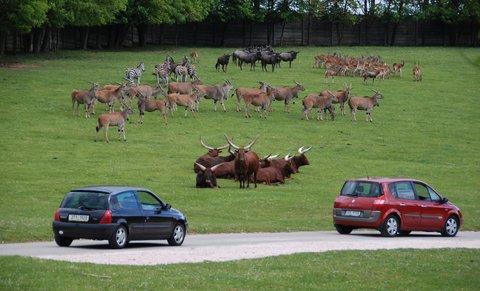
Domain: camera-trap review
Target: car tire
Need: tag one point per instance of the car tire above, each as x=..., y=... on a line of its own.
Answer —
x=343, y=229
x=390, y=227
x=178, y=235
x=63, y=241
x=119, y=238
x=451, y=227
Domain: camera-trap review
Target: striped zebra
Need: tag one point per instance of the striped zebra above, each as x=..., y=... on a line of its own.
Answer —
x=161, y=72
x=191, y=69
x=136, y=73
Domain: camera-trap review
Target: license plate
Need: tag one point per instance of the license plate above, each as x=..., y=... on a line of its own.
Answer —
x=78, y=218
x=352, y=213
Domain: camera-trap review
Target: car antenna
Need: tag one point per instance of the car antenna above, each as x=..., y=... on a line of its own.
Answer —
x=366, y=171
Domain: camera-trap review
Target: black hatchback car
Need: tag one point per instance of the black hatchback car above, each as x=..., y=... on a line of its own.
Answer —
x=118, y=214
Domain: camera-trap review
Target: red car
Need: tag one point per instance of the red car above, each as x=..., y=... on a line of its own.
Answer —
x=394, y=206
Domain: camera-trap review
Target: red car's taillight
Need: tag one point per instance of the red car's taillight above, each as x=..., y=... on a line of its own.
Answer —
x=107, y=217
x=57, y=215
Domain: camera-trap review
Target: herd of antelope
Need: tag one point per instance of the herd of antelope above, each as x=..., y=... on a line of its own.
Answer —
x=181, y=92
x=371, y=67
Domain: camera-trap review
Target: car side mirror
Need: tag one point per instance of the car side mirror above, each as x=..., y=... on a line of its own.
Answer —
x=167, y=206
x=444, y=200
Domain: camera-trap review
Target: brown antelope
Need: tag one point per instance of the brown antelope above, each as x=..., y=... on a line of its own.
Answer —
x=262, y=100
x=106, y=120
x=188, y=101
x=364, y=103
x=243, y=91
x=321, y=102
x=287, y=93
x=110, y=96
x=150, y=105
x=342, y=96
x=86, y=97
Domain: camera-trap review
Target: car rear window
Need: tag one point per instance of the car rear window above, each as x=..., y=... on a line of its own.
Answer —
x=361, y=189
x=86, y=200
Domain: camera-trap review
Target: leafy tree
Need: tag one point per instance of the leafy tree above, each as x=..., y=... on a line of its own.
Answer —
x=20, y=16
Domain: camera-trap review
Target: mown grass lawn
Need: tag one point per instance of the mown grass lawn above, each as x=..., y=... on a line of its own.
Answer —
x=427, y=130
x=440, y=269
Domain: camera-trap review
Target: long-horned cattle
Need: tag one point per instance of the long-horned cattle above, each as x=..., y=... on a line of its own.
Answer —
x=85, y=97
x=342, y=96
x=364, y=103
x=246, y=163
x=274, y=171
x=300, y=159
x=106, y=120
x=212, y=157
x=322, y=102
x=215, y=92
x=286, y=93
x=206, y=176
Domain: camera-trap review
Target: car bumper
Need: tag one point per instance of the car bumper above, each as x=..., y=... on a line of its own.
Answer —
x=370, y=217
x=83, y=230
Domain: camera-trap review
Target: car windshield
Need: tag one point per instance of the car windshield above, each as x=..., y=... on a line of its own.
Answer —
x=86, y=200
x=361, y=189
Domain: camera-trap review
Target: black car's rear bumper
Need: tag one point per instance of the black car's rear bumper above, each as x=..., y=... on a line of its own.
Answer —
x=83, y=230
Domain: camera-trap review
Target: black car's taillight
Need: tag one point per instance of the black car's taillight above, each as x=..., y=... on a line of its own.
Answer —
x=57, y=215
x=106, y=218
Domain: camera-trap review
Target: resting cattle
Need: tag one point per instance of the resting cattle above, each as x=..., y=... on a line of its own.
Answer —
x=212, y=157
x=206, y=177
x=246, y=163
x=300, y=159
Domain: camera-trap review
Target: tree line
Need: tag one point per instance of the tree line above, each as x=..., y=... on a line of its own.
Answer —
x=38, y=22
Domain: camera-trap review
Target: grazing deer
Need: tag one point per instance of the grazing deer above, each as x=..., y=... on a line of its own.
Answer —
x=106, y=120
x=417, y=73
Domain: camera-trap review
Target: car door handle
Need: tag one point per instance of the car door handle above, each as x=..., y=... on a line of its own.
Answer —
x=424, y=206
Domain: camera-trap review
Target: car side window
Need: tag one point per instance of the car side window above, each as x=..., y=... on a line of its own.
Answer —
x=404, y=190
x=433, y=195
x=127, y=200
x=422, y=192
x=148, y=201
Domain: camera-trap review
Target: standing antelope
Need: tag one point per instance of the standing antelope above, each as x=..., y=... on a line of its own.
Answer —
x=106, y=120
x=86, y=97
x=364, y=103
x=342, y=96
x=417, y=73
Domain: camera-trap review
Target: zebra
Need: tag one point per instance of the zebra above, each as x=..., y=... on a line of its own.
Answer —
x=191, y=69
x=131, y=73
x=161, y=72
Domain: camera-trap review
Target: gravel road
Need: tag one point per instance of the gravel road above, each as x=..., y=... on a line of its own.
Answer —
x=227, y=247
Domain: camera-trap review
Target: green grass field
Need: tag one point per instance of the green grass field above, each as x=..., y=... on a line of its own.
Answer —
x=427, y=130
x=367, y=270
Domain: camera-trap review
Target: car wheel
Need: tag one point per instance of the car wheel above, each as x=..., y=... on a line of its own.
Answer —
x=178, y=235
x=63, y=241
x=390, y=226
x=451, y=227
x=343, y=229
x=119, y=238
